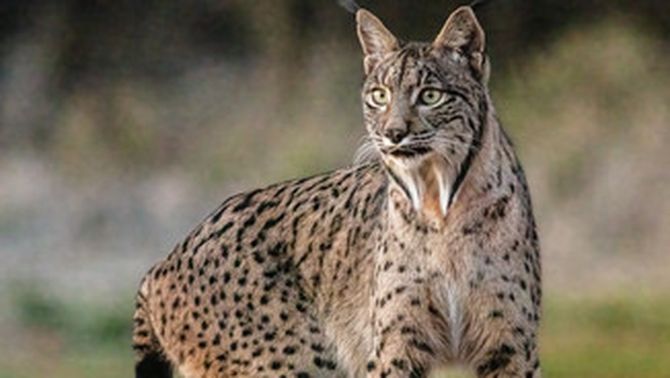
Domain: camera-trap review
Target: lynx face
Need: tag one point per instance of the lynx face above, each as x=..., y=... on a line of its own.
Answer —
x=422, y=104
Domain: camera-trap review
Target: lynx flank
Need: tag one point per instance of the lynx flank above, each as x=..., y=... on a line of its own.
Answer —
x=424, y=255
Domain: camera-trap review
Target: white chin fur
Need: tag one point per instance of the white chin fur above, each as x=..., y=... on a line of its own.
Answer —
x=407, y=171
x=445, y=189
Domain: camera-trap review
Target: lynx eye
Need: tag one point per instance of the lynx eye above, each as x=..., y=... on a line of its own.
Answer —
x=431, y=97
x=379, y=97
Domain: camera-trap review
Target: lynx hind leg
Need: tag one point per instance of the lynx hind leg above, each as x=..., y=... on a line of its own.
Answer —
x=150, y=361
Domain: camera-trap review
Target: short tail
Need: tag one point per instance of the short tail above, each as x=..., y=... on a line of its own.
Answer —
x=153, y=365
x=151, y=362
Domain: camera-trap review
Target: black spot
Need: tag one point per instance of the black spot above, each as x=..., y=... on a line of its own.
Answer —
x=257, y=352
x=265, y=205
x=317, y=348
x=258, y=257
x=407, y=330
x=270, y=223
x=218, y=233
x=496, y=314
x=275, y=365
x=237, y=297
x=246, y=201
x=327, y=364
x=399, y=364
x=417, y=372
x=217, y=215
x=422, y=346
x=497, y=360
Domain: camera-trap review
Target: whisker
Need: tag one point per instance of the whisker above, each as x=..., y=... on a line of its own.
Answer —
x=462, y=148
x=446, y=140
x=366, y=152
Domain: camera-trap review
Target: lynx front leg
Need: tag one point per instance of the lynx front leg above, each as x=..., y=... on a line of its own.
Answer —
x=407, y=338
x=501, y=336
x=509, y=360
x=397, y=355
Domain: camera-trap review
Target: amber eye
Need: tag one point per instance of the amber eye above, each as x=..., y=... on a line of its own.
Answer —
x=379, y=97
x=431, y=97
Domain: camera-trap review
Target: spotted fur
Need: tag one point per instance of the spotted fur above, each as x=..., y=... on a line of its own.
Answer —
x=424, y=255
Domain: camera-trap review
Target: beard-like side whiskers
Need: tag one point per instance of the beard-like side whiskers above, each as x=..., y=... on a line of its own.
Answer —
x=444, y=142
x=367, y=151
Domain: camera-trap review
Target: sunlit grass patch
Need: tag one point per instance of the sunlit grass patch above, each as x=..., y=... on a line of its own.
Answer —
x=603, y=337
x=625, y=337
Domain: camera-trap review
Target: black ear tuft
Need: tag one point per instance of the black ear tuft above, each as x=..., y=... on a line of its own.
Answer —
x=350, y=5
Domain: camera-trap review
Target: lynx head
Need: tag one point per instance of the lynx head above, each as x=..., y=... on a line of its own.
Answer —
x=425, y=104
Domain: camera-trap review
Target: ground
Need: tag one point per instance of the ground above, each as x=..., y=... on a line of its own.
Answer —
x=620, y=336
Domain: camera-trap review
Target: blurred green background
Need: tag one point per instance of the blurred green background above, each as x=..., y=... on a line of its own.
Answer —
x=122, y=123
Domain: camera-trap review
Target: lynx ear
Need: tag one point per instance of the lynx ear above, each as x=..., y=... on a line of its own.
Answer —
x=462, y=33
x=376, y=40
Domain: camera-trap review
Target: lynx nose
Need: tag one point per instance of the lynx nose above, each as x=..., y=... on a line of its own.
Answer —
x=395, y=134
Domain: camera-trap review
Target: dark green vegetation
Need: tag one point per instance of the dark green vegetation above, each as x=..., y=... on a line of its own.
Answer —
x=58, y=338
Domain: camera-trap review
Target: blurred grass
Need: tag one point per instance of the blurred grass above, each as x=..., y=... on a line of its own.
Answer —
x=78, y=324
x=56, y=338
x=616, y=337
x=604, y=337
